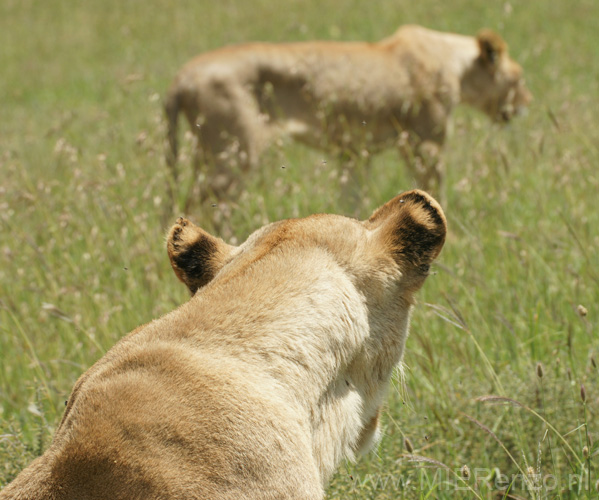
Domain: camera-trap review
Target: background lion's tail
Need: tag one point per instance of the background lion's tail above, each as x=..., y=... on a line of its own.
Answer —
x=171, y=108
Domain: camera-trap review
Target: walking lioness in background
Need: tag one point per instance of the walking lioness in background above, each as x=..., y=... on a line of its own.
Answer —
x=272, y=373
x=350, y=99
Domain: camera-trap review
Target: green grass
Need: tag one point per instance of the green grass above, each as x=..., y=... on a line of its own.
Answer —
x=82, y=204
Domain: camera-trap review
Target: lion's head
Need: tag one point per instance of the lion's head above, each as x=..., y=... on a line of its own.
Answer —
x=494, y=84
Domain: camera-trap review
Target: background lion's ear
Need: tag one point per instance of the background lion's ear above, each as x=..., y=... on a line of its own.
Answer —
x=491, y=46
x=196, y=256
x=412, y=227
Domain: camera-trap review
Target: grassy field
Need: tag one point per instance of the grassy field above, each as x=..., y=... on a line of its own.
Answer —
x=511, y=312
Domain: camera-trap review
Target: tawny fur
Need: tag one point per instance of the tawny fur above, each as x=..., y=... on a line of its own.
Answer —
x=350, y=99
x=264, y=381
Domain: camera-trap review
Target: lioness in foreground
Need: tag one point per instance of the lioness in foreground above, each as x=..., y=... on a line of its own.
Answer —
x=273, y=372
x=350, y=99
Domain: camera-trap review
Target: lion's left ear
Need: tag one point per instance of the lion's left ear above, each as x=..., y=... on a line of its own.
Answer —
x=491, y=46
x=196, y=256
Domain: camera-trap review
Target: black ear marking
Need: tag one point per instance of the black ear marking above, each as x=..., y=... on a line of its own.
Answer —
x=196, y=256
x=426, y=203
x=196, y=264
x=491, y=46
x=490, y=53
x=418, y=236
x=413, y=228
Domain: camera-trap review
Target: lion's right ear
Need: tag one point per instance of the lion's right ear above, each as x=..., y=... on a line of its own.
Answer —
x=412, y=228
x=491, y=46
x=196, y=256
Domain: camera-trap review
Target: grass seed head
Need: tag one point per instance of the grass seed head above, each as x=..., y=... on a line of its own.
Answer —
x=540, y=370
x=466, y=472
